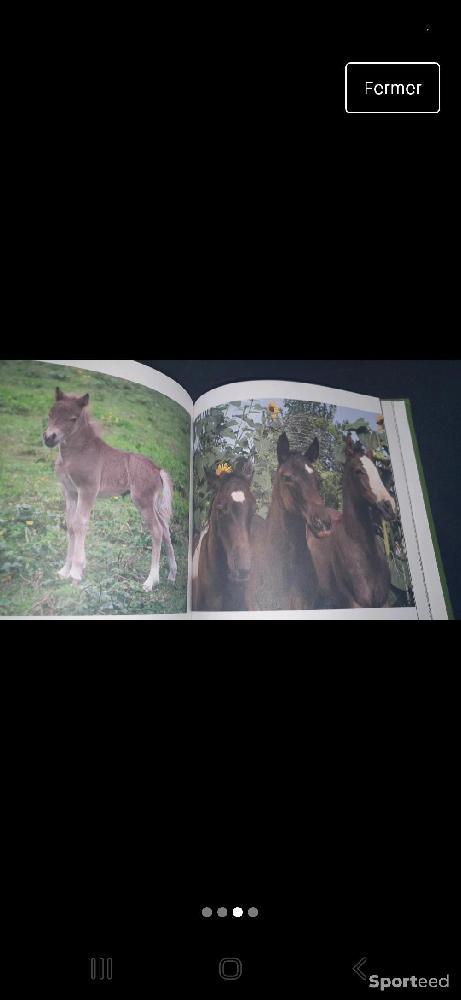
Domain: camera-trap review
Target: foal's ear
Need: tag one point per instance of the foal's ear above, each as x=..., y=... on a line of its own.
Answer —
x=312, y=453
x=59, y=394
x=283, y=448
x=84, y=400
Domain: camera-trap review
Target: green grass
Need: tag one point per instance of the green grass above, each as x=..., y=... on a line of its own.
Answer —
x=32, y=509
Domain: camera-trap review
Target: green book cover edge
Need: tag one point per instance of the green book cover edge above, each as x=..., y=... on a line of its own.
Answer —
x=427, y=504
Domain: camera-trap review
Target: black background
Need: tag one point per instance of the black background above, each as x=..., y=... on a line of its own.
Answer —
x=194, y=180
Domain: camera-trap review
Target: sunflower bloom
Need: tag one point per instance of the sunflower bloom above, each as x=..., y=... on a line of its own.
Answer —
x=223, y=467
x=273, y=409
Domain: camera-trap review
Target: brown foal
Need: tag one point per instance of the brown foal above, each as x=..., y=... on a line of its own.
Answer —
x=89, y=468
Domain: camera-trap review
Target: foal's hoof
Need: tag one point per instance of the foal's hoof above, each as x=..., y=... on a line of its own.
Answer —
x=64, y=573
x=172, y=576
x=147, y=586
x=75, y=577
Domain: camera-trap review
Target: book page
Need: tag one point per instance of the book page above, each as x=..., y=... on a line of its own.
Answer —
x=426, y=579
x=86, y=530
x=295, y=507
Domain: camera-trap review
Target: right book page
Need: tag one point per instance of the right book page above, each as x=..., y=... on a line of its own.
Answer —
x=302, y=507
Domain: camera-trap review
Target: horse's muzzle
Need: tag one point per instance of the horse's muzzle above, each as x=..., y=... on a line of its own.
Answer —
x=320, y=527
x=239, y=576
x=50, y=440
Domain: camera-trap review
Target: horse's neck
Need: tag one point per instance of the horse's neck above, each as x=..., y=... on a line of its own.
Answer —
x=81, y=440
x=358, y=523
x=214, y=551
x=286, y=532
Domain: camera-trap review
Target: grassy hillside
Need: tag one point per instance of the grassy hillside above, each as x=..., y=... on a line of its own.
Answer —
x=32, y=508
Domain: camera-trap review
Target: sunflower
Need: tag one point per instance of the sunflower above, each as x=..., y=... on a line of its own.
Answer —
x=223, y=467
x=273, y=409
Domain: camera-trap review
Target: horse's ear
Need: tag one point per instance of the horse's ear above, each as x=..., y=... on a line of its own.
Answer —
x=246, y=469
x=349, y=445
x=58, y=393
x=84, y=400
x=312, y=453
x=283, y=448
x=212, y=479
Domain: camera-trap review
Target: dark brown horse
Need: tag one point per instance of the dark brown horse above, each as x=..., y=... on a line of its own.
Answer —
x=282, y=573
x=351, y=568
x=222, y=557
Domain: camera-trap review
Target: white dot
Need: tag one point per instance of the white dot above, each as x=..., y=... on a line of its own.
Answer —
x=207, y=911
x=222, y=911
x=253, y=911
x=237, y=911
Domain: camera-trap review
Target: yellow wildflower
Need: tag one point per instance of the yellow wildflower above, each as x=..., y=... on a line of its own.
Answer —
x=273, y=409
x=29, y=523
x=223, y=467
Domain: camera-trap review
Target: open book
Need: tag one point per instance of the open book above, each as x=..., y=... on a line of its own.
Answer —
x=121, y=498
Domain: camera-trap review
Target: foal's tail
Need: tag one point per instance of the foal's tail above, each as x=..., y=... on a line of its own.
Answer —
x=163, y=500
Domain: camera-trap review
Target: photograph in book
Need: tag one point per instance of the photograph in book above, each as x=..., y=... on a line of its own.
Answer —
x=295, y=508
x=94, y=494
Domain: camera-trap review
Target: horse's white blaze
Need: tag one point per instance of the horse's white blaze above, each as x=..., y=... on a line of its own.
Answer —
x=196, y=555
x=376, y=484
x=308, y=469
x=238, y=496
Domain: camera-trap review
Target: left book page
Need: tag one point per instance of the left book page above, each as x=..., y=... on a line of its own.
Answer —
x=95, y=477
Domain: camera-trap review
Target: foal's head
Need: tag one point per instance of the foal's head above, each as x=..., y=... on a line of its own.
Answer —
x=64, y=418
x=298, y=486
x=231, y=514
x=363, y=482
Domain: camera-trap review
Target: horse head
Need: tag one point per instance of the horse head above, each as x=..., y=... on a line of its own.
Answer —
x=64, y=418
x=231, y=514
x=298, y=486
x=363, y=481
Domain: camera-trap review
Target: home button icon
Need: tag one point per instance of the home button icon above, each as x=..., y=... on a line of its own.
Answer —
x=230, y=968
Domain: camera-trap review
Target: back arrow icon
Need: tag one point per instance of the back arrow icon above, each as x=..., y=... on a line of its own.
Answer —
x=357, y=969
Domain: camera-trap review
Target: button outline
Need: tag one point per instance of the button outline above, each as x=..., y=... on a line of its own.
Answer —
x=399, y=62
x=230, y=978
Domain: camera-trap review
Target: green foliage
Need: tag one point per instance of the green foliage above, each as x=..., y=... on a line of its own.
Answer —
x=118, y=549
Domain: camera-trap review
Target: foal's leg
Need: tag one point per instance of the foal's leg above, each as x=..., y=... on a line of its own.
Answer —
x=169, y=549
x=145, y=504
x=80, y=522
x=71, y=507
x=152, y=520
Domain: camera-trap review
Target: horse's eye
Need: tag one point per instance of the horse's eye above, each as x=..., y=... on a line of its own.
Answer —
x=74, y=418
x=287, y=478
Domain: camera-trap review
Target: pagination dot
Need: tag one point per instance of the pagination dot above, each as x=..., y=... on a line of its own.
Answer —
x=253, y=911
x=237, y=911
x=222, y=912
x=207, y=911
